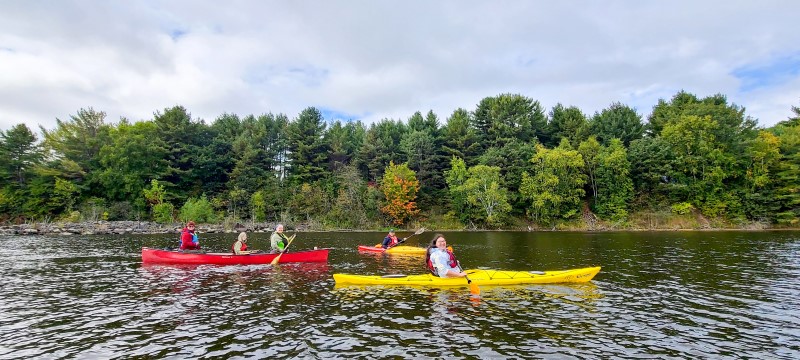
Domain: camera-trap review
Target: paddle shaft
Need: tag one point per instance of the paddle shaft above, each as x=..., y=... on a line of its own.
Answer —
x=420, y=231
x=473, y=288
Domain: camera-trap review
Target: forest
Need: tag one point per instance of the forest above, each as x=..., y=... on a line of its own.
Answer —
x=506, y=164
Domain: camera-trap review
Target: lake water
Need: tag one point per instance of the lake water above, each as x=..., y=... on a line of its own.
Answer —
x=659, y=295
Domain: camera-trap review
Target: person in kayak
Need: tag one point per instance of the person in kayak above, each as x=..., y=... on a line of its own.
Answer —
x=391, y=240
x=440, y=260
x=189, y=239
x=278, y=240
x=240, y=246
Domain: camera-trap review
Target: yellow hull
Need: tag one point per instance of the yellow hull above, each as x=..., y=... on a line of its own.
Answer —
x=479, y=277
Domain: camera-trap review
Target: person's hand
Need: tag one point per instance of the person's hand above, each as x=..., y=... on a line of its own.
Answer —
x=404, y=239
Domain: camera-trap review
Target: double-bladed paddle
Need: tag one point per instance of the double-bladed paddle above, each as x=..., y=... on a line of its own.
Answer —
x=275, y=260
x=420, y=231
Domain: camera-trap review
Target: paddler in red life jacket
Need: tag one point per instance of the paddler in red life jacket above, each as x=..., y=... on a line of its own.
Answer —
x=240, y=246
x=440, y=260
x=390, y=240
x=189, y=239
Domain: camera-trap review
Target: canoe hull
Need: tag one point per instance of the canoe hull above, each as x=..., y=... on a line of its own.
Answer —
x=400, y=249
x=479, y=277
x=159, y=256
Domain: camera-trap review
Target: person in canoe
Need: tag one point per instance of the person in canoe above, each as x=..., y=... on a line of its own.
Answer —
x=440, y=260
x=240, y=246
x=278, y=240
x=189, y=239
x=391, y=240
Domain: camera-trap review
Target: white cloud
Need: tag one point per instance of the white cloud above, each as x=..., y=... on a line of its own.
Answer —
x=383, y=59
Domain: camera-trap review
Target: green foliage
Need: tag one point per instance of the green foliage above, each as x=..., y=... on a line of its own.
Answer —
x=72, y=217
x=197, y=209
x=590, y=151
x=556, y=187
x=617, y=122
x=787, y=175
x=614, y=185
x=307, y=147
x=121, y=210
x=701, y=163
x=155, y=194
x=569, y=123
x=310, y=201
x=163, y=213
x=513, y=159
x=460, y=139
x=456, y=177
x=682, y=208
x=64, y=194
x=92, y=209
x=258, y=206
x=19, y=154
x=422, y=146
x=700, y=151
x=381, y=147
x=484, y=192
x=133, y=156
x=509, y=116
x=351, y=207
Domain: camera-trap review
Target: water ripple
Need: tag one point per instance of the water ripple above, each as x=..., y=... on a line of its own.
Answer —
x=660, y=295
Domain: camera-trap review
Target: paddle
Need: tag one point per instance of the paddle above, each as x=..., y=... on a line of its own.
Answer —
x=420, y=231
x=473, y=288
x=275, y=260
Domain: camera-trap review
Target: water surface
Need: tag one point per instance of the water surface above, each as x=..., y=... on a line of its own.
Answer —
x=659, y=295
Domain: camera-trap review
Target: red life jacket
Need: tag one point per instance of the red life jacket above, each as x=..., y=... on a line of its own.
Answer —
x=233, y=248
x=452, y=263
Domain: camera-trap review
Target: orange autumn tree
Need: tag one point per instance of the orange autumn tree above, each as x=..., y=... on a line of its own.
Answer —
x=400, y=186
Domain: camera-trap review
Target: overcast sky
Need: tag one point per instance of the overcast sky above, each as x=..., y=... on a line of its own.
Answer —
x=370, y=60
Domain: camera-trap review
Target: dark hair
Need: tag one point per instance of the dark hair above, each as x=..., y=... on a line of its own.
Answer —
x=430, y=247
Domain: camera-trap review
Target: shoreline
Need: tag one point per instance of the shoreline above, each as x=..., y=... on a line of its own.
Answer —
x=152, y=228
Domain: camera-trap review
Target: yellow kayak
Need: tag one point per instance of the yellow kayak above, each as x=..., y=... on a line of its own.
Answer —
x=479, y=277
x=400, y=249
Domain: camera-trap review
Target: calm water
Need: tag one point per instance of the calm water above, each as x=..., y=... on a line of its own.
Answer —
x=659, y=295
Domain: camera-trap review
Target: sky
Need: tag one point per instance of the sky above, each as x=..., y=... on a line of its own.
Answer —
x=371, y=60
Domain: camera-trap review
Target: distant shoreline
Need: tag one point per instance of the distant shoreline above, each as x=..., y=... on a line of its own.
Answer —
x=147, y=227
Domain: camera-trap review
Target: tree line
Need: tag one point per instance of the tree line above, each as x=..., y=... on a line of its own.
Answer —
x=505, y=163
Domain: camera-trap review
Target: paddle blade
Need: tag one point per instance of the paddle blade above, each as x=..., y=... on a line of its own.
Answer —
x=276, y=259
x=474, y=289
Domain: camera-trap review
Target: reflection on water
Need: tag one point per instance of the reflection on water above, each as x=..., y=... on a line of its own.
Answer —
x=659, y=295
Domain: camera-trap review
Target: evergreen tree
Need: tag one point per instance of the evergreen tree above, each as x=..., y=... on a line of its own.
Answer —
x=308, y=150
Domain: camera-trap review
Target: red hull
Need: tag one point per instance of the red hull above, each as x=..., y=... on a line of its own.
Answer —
x=158, y=256
x=371, y=249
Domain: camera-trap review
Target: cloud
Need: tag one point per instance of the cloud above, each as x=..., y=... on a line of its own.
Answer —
x=372, y=60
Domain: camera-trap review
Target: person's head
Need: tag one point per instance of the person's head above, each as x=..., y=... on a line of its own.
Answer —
x=279, y=228
x=243, y=237
x=190, y=225
x=391, y=232
x=438, y=242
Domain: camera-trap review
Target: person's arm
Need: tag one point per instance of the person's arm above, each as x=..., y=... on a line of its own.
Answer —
x=385, y=243
x=451, y=273
x=439, y=260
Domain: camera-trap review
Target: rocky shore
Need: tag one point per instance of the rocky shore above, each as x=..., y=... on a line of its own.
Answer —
x=124, y=227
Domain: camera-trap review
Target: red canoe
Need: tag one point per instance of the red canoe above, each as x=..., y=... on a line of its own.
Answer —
x=159, y=256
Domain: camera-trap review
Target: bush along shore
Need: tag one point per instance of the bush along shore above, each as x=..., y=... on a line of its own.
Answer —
x=124, y=227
